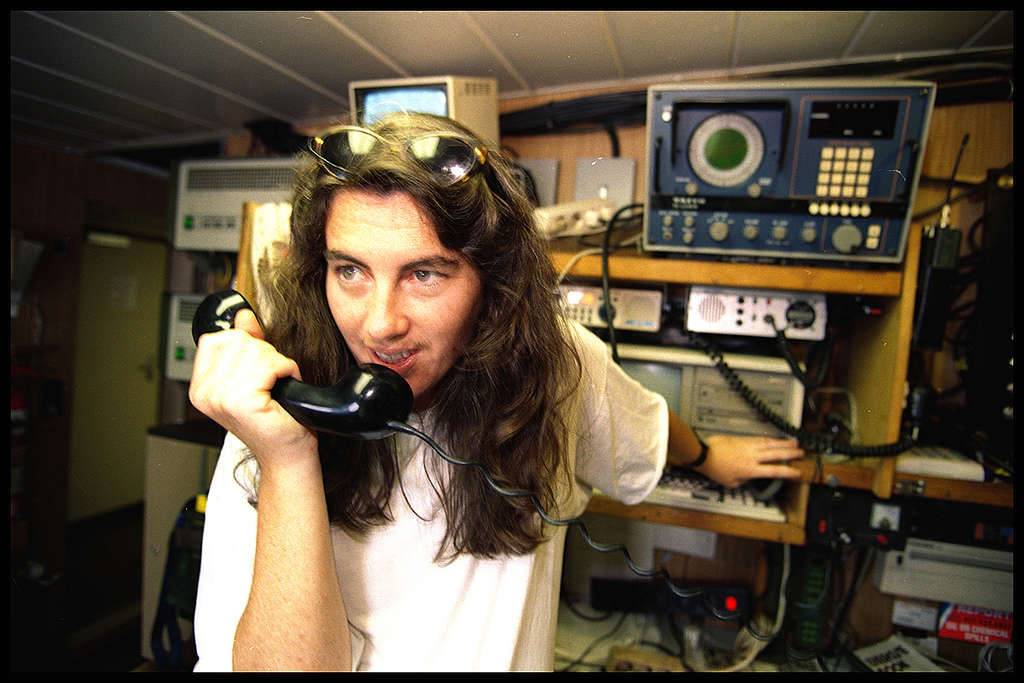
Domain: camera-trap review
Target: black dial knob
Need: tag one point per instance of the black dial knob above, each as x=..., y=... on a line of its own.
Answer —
x=800, y=315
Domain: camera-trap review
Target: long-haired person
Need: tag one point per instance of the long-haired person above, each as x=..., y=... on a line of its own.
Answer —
x=412, y=247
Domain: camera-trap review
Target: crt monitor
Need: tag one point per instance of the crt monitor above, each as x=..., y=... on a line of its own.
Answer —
x=473, y=102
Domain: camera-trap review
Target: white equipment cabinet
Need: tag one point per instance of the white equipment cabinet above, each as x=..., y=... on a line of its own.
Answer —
x=180, y=460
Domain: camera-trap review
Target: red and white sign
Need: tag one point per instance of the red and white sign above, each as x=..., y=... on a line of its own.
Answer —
x=975, y=624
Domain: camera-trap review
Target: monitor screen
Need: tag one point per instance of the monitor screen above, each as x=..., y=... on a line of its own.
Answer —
x=378, y=102
x=661, y=378
x=695, y=390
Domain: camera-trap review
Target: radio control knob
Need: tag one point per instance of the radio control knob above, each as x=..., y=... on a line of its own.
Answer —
x=800, y=315
x=846, y=238
x=750, y=232
x=719, y=230
x=779, y=232
x=808, y=235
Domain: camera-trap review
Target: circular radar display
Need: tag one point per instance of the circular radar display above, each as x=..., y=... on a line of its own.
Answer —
x=726, y=149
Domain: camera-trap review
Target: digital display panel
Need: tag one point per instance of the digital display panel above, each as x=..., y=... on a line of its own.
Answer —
x=872, y=120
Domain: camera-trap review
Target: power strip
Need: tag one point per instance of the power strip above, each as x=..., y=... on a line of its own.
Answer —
x=806, y=615
x=750, y=312
x=632, y=309
x=573, y=218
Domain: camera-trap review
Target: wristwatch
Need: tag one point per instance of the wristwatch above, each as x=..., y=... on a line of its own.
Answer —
x=700, y=458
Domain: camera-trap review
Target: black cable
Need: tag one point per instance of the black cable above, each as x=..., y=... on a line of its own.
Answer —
x=586, y=243
x=605, y=280
x=613, y=137
x=811, y=441
x=622, y=109
x=590, y=647
x=865, y=554
x=810, y=384
x=658, y=646
x=956, y=165
x=585, y=617
x=574, y=521
x=931, y=211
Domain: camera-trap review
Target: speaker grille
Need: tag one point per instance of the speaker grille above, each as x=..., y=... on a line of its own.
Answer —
x=252, y=178
x=187, y=310
x=711, y=308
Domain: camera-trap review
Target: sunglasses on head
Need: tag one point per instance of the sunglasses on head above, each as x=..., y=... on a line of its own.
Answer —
x=448, y=157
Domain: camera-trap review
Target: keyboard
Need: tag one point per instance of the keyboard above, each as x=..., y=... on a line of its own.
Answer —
x=683, y=488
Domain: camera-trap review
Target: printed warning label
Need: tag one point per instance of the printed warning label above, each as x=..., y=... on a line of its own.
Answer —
x=975, y=624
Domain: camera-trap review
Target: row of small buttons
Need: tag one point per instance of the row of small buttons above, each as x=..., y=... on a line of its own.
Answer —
x=848, y=153
x=839, y=209
x=844, y=171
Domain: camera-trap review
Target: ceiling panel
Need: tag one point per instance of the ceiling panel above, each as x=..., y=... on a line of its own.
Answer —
x=425, y=43
x=40, y=42
x=553, y=48
x=179, y=47
x=97, y=81
x=807, y=36
x=105, y=126
x=90, y=96
x=58, y=136
x=895, y=32
x=653, y=43
x=998, y=32
x=308, y=44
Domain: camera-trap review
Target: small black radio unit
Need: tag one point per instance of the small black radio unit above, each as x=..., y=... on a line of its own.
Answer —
x=785, y=171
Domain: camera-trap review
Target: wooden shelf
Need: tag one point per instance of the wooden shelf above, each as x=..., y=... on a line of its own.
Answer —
x=651, y=268
x=983, y=493
x=863, y=473
x=856, y=474
x=791, y=532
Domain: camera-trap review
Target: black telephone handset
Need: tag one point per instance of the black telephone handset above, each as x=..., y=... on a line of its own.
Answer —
x=362, y=404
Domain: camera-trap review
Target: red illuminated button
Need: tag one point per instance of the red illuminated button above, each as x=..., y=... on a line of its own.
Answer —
x=731, y=603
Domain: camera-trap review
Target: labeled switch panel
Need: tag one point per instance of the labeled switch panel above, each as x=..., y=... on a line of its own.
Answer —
x=631, y=309
x=756, y=312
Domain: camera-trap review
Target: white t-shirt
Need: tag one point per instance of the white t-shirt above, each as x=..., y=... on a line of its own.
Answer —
x=408, y=613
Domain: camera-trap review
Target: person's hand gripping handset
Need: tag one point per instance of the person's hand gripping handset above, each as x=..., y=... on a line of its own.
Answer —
x=295, y=617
